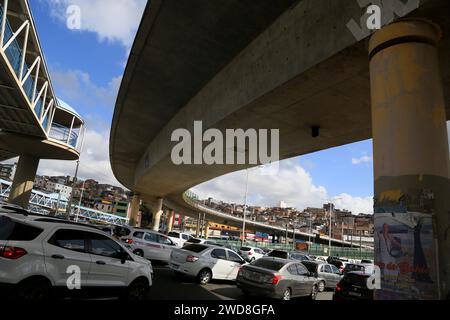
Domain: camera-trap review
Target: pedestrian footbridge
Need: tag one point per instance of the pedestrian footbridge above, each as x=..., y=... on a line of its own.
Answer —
x=34, y=123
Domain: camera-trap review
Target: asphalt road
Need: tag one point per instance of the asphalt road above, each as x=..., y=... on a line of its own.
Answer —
x=167, y=287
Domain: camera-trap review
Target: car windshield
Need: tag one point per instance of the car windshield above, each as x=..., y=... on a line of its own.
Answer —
x=355, y=279
x=354, y=267
x=311, y=266
x=278, y=254
x=173, y=234
x=195, y=248
x=193, y=240
x=269, y=264
x=245, y=249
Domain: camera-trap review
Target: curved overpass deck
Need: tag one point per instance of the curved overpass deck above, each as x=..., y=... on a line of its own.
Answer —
x=286, y=65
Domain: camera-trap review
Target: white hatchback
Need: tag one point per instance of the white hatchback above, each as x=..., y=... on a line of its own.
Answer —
x=40, y=256
x=206, y=262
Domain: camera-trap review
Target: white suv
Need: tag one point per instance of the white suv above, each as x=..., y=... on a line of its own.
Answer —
x=40, y=256
x=251, y=254
x=179, y=238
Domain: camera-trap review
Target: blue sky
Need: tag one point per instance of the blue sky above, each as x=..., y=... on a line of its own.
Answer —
x=86, y=67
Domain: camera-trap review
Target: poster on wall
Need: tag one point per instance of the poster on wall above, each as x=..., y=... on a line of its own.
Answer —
x=405, y=253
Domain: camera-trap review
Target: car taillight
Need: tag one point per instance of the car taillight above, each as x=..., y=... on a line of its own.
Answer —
x=338, y=287
x=191, y=259
x=276, y=279
x=129, y=241
x=12, y=253
x=250, y=253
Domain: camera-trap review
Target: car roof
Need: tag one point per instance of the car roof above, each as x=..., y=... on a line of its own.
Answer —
x=46, y=221
x=279, y=259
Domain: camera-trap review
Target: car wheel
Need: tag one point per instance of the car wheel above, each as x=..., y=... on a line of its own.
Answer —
x=321, y=286
x=287, y=294
x=314, y=292
x=34, y=290
x=137, y=290
x=139, y=253
x=204, y=276
x=252, y=259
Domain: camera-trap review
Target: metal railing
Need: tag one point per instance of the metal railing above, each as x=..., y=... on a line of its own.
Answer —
x=27, y=76
x=63, y=134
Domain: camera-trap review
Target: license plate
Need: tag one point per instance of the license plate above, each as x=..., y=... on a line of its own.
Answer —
x=355, y=294
x=175, y=266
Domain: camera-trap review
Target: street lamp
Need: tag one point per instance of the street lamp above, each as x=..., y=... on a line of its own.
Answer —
x=330, y=203
x=245, y=209
x=310, y=231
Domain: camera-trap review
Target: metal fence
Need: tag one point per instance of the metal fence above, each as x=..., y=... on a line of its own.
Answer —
x=314, y=249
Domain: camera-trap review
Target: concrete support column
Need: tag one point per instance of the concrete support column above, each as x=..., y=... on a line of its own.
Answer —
x=23, y=181
x=157, y=212
x=197, y=231
x=170, y=220
x=206, y=229
x=410, y=145
x=133, y=213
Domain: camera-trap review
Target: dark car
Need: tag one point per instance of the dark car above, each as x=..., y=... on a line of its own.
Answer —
x=292, y=255
x=352, y=267
x=353, y=286
x=277, y=278
x=337, y=262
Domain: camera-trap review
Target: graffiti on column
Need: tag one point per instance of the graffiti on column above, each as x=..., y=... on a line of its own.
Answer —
x=405, y=250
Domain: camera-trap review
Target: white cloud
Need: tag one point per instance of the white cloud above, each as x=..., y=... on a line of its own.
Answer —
x=293, y=185
x=77, y=86
x=115, y=21
x=363, y=159
x=354, y=204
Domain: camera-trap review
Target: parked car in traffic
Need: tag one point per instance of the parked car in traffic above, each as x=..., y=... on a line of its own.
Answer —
x=179, y=238
x=327, y=274
x=277, y=278
x=367, y=268
x=353, y=286
x=293, y=255
x=206, y=262
x=37, y=253
x=150, y=245
x=251, y=253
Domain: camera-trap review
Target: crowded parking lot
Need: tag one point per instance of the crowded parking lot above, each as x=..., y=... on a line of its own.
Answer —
x=136, y=264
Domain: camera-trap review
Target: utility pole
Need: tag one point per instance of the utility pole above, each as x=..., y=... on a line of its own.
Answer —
x=310, y=231
x=79, y=203
x=329, y=233
x=69, y=201
x=245, y=210
x=360, y=244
